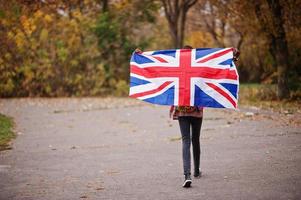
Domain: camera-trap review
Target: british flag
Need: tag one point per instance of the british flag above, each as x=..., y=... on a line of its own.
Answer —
x=204, y=77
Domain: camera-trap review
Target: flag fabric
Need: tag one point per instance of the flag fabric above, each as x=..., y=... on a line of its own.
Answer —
x=204, y=77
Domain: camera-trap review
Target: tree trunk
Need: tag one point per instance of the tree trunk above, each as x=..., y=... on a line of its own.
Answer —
x=277, y=43
x=281, y=50
x=175, y=13
x=182, y=28
x=105, y=5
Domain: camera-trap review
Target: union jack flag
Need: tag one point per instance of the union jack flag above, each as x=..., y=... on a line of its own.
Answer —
x=204, y=77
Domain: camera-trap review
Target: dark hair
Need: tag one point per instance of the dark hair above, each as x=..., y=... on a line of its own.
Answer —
x=187, y=47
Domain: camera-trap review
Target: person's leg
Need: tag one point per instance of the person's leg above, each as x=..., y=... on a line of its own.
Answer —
x=196, y=130
x=184, y=123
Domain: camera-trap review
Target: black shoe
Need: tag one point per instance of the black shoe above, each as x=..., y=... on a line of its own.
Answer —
x=197, y=174
x=187, y=181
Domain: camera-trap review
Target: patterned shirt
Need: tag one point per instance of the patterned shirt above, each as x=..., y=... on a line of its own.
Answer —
x=194, y=111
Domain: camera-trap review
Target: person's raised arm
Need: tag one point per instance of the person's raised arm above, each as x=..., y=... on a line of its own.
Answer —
x=236, y=54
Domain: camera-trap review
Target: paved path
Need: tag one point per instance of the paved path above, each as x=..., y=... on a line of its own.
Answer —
x=123, y=149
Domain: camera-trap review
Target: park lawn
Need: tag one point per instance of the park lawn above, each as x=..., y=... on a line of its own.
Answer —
x=6, y=132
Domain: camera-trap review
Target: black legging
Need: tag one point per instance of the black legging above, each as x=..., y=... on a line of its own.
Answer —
x=195, y=122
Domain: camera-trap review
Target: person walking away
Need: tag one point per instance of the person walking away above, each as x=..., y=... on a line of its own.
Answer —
x=190, y=118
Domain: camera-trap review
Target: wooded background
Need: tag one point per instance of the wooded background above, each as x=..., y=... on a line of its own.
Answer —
x=83, y=47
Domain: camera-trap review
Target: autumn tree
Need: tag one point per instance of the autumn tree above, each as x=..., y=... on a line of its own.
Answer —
x=119, y=32
x=81, y=48
x=272, y=23
x=176, y=14
x=211, y=16
x=49, y=49
x=255, y=29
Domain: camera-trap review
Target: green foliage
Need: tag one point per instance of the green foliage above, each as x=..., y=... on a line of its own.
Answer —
x=115, y=46
x=117, y=37
x=6, y=133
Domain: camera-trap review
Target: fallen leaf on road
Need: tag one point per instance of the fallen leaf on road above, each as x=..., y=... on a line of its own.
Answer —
x=112, y=172
x=173, y=139
x=249, y=114
x=208, y=129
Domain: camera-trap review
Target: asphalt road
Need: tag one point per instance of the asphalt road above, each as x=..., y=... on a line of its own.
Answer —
x=97, y=148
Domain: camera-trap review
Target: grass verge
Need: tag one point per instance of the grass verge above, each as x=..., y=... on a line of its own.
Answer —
x=264, y=96
x=6, y=132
